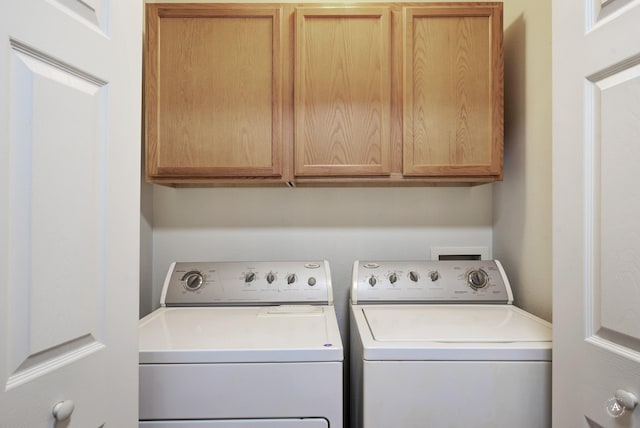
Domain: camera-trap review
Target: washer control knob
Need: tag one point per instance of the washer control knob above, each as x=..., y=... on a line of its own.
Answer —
x=193, y=280
x=477, y=279
x=311, y=281
x=434, y=275
x=249, y=277
x=413, y=276
x=291, y=278
x=372, y=280
x=393, y=278
x=271, y=277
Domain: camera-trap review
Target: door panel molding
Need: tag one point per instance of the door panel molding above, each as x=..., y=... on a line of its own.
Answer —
x=40, y=364
x=90, y=12
x=610, y=258
x=58, y=111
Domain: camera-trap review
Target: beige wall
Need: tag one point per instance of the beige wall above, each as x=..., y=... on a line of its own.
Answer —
x=522, y=202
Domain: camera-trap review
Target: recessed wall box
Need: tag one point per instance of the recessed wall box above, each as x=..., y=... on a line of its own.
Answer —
x=460, y=253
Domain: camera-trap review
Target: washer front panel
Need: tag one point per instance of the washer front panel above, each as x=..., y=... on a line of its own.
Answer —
x=456, y=394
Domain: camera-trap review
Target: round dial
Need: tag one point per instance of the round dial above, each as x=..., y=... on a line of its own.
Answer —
x=477, y=279
x=311, y=281
x=193, y=280
x=249, y=277
x=434, y=275
x=291, y=278
x=271, y=277
x=393, y=278
x=413, y=276
x=372, y=280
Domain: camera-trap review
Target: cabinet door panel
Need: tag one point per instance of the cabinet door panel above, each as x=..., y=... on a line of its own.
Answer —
x=342, y=91
x=453, y=119
x=214, y=92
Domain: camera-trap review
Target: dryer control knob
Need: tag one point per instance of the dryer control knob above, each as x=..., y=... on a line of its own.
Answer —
x=477, y=279
x=413, y=276
x=393, y=278
x=372, y=280
x=249, y=277
x=434, y=275
x=193, y=280
x=291, y=278
x=271, y=277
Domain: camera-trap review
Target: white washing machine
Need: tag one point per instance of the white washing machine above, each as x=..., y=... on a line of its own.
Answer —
x=439, y=344
x=242, y=345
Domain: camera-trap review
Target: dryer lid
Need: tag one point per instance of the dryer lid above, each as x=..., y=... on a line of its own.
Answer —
x=294, y=333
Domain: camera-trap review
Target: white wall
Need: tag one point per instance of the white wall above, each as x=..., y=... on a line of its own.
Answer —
x=522, y=202
x=336, y=224
x=512, y=218
x=147, y=298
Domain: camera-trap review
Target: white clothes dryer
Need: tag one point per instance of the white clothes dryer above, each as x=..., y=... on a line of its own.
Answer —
x=242, y=345
x=440, y=344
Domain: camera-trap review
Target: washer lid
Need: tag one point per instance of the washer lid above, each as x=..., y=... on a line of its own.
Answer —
x=240, y=334
x=448, y=323
x=457, y=332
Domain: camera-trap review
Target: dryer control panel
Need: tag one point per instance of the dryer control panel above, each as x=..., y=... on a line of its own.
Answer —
x=247, y=283
x=450, y=281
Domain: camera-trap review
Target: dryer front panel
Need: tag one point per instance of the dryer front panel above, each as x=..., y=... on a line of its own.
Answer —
x=237, y=423
x=241, y=391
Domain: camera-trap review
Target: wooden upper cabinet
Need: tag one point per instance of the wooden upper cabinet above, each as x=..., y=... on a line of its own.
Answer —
x=342, y=87
x=453, y=90
x=213, y=91
x=379, y=93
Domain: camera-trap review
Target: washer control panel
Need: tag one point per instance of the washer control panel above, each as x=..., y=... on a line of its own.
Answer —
x=246, y=283
x=450, y=281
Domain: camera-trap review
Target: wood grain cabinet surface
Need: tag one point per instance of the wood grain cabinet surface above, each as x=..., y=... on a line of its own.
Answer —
x=453, y=108
x=213, y=97
x=308, y=94
x=342, y=91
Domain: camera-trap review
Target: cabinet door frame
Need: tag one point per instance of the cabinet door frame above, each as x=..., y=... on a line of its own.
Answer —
x=493, y=166
x=155, y=170
x=377, y=162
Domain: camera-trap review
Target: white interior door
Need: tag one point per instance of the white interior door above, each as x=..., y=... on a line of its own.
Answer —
x=69, y=217
x=596, y=211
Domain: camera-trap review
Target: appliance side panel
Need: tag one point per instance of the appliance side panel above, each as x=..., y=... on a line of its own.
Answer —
x=355, y=384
